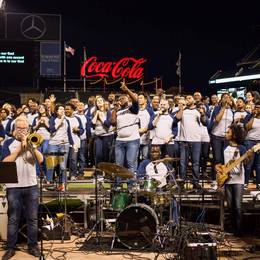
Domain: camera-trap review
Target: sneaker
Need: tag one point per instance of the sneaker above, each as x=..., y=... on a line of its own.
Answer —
x=8, y=254
x=214, y=185
x=34, y=251
x=196, y=186
x=73, y=178
x=245, y=186
x=61, y=187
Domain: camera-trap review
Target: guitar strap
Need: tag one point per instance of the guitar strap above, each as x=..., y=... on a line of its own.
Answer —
x=235, y=154
x=235, y=157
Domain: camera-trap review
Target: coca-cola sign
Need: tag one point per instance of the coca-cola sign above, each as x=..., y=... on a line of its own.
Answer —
x=124, y=68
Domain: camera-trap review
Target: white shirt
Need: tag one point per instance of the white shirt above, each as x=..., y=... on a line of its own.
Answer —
x=61, y=135
x=43, y=131
x=26, y=172
x=221, y=128
x=127, y=125
x=83, y=120
x=160, y=176
x=254, y=133
x=190, y=126
x=237, y=174
x=239, y=114
x=163, y=129
x=73, y=121
x=31, y=117
x=144, y=118
x=204, y=134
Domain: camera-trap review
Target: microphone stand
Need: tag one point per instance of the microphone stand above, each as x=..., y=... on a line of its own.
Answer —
x=41, y=257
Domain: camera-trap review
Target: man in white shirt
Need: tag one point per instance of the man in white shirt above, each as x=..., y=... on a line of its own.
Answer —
x=82, y=154
x=125, y=118
x=22, y=196
x=191, y=120
x=165, y=130
x=145, y=114
x=76, y=130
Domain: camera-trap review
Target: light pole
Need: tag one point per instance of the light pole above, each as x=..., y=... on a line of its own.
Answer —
x=2, y=19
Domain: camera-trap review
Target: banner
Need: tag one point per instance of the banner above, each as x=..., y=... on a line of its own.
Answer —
x=50, y=59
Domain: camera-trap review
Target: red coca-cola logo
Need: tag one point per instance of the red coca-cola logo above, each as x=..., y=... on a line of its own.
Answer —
x=125, y=68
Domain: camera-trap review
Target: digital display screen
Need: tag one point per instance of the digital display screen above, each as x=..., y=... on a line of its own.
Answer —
x=234, y=92
x=17, y=59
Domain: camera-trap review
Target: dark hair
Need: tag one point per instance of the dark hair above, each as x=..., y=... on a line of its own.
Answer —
x=222, y=95
x=141, y=93
x=198, y=104
x=256, y=95
x=99, y=96
x=238, y=133
x=204, y=98
x=69, y=104
x=56, y=108
x=241, y=99
x=32, y=99
x=257, y=103
x=6, y=111
x=46, y=110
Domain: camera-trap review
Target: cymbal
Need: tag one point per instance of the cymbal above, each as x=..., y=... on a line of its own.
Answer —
x=114, y=170
x=167, y=159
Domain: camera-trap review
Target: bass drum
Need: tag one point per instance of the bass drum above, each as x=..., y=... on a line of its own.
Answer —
x=136, y=226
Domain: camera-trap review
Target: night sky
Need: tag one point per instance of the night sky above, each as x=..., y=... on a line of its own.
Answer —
x=211, y=37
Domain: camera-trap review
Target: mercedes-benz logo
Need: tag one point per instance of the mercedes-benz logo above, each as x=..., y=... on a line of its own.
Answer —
x=33, y=27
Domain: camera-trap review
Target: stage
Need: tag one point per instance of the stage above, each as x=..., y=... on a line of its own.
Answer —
x=230, y=248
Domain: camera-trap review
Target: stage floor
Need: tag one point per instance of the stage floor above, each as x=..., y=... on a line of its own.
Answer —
x=230, y=248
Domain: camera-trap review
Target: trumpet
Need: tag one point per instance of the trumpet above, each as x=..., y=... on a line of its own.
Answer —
x=35, y=140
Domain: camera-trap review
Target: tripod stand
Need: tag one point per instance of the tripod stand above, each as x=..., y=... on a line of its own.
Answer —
x=41, y=257
x=55, y=159
x=98, y=227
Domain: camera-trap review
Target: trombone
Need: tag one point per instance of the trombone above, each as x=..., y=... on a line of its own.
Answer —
x=35, y=140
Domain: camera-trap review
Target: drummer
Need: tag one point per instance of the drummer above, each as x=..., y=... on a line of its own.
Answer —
x=148, y=168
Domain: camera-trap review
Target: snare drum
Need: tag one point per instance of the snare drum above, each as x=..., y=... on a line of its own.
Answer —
x=136, y=226
x=149, y=185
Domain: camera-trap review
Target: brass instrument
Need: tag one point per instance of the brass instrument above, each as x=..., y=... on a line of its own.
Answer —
x=35, y=140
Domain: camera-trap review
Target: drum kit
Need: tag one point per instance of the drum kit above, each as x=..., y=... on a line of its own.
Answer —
x=141, y=210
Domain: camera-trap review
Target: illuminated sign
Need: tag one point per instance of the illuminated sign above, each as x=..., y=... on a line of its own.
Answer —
x=124, y=68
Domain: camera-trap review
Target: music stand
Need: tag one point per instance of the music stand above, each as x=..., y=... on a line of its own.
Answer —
x=8, y=172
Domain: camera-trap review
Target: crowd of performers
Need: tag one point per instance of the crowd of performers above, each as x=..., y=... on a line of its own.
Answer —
x=128, y=130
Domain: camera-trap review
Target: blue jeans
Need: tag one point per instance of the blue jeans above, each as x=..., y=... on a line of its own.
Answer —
x=44, y=150
x=144, y=151
x=19, y=199
x=234, y=194
x=82, y=156
x=103, y=148
x=218, y=144
x=62, y=165
x=253, y=164
x=127, y=153
x=191, y=149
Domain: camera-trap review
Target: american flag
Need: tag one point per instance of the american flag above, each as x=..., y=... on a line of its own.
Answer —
x=178, y=64
x=69, y=49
